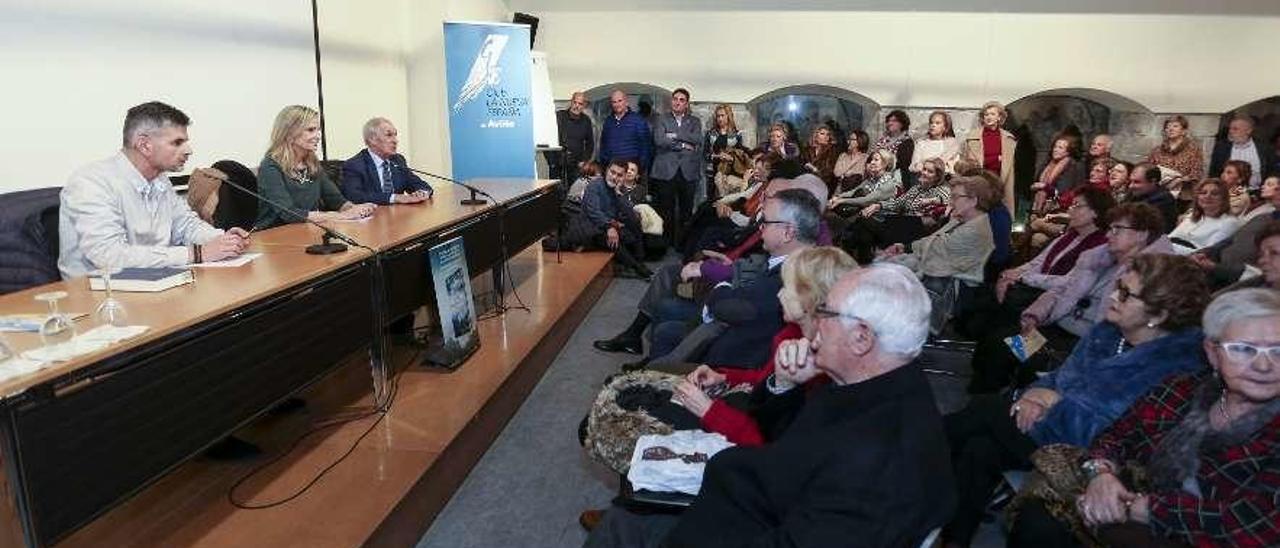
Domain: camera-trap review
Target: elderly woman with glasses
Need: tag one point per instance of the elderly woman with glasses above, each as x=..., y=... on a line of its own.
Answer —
x=1205, y=442
x=1151, y=330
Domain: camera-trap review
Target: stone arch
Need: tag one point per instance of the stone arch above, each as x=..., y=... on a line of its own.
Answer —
x=803, y=107
x=1037, y=118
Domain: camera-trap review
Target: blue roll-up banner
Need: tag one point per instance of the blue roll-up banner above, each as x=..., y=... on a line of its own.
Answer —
x=490, y=114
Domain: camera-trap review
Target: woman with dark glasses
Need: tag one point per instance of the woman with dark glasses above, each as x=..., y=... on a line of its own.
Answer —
x=1149, y=332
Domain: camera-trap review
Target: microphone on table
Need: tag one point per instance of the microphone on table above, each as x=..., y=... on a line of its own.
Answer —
x=326, y=246
x=465, y=201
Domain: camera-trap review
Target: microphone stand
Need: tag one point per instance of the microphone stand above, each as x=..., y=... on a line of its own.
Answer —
x=465, y=201
x=500, y=297
x=327, y=245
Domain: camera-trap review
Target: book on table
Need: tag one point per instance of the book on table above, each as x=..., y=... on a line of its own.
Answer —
x=145, y=280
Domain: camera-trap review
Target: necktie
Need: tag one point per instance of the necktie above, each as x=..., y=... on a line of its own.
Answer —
x=386, y=177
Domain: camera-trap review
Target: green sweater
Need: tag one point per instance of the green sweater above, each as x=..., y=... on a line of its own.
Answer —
x=318, y=194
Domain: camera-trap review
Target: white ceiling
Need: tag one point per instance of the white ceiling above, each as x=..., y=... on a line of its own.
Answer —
x=1197, y=7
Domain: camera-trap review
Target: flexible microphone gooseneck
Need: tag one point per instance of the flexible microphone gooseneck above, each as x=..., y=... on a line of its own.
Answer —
x=326, y=246
x=465, y=201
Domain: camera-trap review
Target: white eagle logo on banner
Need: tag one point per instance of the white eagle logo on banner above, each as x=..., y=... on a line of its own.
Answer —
x=484, y=71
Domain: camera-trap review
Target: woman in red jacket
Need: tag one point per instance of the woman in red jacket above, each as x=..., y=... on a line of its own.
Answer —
x=806, y=278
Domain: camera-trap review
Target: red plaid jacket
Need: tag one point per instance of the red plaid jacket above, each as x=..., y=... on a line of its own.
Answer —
x=1240, y=484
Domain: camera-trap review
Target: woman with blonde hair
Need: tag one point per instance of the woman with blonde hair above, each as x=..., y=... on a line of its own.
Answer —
x=290, y=175
x=721, y=138
x=993, y=148
x=780, y=143
x=820, y=155
x=1210, y=220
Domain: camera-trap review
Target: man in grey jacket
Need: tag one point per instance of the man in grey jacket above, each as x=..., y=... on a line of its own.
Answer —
x=677, y=164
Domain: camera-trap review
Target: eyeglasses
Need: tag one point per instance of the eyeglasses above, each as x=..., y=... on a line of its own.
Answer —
x=823, y=312
x=768, y=222
x=1245, y=353
x=1077, y=205
x=1123, y=293
x=1117, y=228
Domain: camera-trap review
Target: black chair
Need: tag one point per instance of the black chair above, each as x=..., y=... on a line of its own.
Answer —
x=235, y=207
x=333, y=168
x=28, y=238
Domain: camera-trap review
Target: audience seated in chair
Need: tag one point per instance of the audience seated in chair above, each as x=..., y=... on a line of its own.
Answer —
x=1144, y=188
x=1210, y=220
x=1018, y=287
x=956, y=254
x=865, y=457
x=743, y=314
x=1151, y=330
x=1069, y=309
x=1267, y=243
x=28, y=238
x=903, y=219
x=1228, y=260
x=851, y=165
x=1190, y=463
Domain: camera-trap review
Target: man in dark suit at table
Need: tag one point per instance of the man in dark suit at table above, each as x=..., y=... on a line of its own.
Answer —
x=378, y=174
x=861, y=461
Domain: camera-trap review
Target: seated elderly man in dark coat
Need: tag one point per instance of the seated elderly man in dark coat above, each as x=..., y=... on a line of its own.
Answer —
x=863, y=461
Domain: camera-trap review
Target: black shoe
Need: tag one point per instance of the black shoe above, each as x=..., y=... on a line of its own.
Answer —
x=635, y=366
x=289, y=405
x=232, y=448
x=620, y=344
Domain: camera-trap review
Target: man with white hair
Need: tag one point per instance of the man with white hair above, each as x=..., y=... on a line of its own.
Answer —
x=122, y=212
x=379, y=174
x=864, y=458
x=1239, y=144
x=1100, y=147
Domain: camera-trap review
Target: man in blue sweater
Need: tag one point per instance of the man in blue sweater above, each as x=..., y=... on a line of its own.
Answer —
x=624, y=134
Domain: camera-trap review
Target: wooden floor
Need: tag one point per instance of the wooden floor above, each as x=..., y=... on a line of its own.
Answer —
x=395, y=481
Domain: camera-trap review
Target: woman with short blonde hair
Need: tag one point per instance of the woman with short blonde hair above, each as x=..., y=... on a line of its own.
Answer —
x=290, y=175
x=992, y=148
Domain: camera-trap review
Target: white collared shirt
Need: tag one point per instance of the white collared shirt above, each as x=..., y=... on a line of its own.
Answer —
x=1248, y=152
x=111, y=216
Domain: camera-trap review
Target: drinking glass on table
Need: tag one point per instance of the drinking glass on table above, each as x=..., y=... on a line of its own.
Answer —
x=110, y=311
x=57, y=327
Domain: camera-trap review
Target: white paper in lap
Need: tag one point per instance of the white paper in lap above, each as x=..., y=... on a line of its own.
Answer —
x=681, y=460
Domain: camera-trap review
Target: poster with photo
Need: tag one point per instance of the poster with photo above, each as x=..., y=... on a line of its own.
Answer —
x=453, y=299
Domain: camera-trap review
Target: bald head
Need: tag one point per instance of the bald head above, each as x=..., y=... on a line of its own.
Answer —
x=618, y=102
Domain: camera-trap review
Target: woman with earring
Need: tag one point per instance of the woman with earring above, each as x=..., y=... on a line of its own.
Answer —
x=1205, y=442
x=290, y=175
x=1151, y=330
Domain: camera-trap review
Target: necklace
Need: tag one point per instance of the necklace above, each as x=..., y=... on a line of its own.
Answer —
x=301, y=177
x=1222, y=406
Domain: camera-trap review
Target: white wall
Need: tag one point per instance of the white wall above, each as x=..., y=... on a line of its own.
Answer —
x=1182, y=63
x=72, y=67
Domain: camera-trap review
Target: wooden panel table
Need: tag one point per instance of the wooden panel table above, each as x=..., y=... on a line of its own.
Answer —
x=80, y=437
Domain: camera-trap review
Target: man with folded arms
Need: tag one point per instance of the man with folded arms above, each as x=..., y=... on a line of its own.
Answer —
x=122, y=212
x=378, y=174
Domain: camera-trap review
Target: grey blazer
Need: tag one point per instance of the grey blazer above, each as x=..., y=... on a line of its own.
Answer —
x=683, y=152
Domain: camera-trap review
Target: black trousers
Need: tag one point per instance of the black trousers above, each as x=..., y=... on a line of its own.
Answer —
x=674, y=204
x=995, y=367
x=630, y=250
x=984, y=442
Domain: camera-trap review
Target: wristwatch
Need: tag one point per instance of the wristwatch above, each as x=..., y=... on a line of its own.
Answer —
x=1095, y=467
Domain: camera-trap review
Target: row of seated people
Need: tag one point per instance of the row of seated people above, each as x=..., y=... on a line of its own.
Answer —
x=1140, y=324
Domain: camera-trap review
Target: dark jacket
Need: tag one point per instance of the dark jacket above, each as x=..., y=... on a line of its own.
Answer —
x=1162, y=200
x=577, y=136
x=1222, y=153
x=603, y=207
x=751, y=309
x=28, y=239
x=1232, y=254
x=361, y=184
x=863, y=464
x=1097, y=385
x=625, y=139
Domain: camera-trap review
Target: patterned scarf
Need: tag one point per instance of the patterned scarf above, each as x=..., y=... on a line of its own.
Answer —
x=1176, y=458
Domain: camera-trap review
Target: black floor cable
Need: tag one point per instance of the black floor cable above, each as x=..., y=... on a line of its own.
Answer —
x=391, y=398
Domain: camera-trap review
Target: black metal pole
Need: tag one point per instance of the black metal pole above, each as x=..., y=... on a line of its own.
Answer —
x=315, y=34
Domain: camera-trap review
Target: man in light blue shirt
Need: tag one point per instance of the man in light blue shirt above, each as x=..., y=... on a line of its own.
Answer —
x=122, y=211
